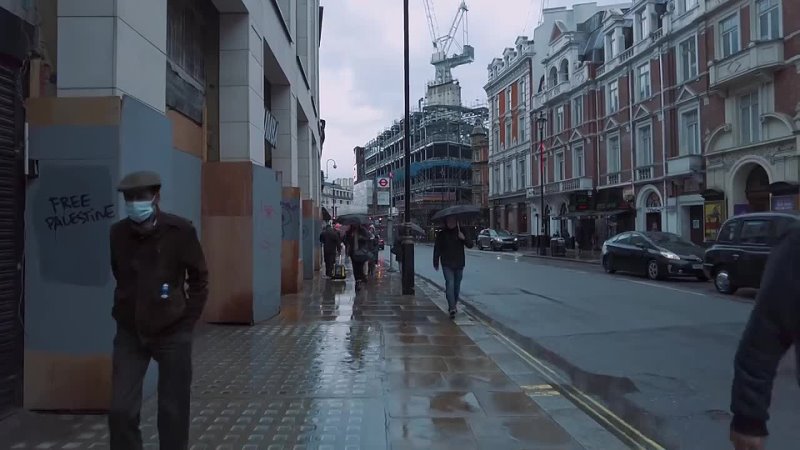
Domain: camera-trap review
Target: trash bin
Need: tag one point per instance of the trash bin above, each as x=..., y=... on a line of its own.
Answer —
x=558, y=247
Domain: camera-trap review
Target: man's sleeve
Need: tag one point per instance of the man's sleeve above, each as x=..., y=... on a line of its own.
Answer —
x=437, y=244
x=197, y=275
x=114, y=266
x=767, y=337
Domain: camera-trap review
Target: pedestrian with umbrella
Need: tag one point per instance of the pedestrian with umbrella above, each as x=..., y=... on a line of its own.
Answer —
x=359, y=244
x=448, y=251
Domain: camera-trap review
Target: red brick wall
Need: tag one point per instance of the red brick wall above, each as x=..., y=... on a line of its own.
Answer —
x=744, y=23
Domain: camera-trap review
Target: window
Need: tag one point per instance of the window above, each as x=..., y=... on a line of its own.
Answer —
x=521, y=128
x=509, y=177
x=578, y=163
x=769, y=19
x=523, y=91
x=613, y=155
x=559, y=119
x=508, y=133
x=729, y=36
x=577, y=111
x=644, y=146
x=643, y=81
x=476, y=177
x=755, y=232
x=496, y=139
x=728, y=232
x=686, y=5
x=508, y=98
x=613, y=97
x=560, y=167
x=689, y=132
x=688, y=59
x=749, y=118
x=642, y=25
x=611, y=46
x=496, y=180
x=521, y=174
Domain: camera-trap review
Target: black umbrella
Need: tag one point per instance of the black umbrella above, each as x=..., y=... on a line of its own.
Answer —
x=413, y=227
x=353, y=219
x=326, y=216
x=457, y=211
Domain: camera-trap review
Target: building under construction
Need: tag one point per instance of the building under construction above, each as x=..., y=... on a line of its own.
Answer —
x=441, y=152
x=441, y=159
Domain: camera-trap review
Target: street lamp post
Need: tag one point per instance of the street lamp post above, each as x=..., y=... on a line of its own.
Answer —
x=328, y=169
x=541, y=121
x=408, y=243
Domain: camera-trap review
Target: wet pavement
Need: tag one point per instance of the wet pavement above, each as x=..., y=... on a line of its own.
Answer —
x=343, y=370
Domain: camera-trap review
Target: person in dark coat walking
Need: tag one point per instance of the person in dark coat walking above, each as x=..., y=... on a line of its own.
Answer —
x=449, y=252
x=359, y=248
x=154, y=257
x=773, y=327
x=331, y=248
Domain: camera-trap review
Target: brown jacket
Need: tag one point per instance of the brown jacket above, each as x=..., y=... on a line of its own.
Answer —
x=143, y=262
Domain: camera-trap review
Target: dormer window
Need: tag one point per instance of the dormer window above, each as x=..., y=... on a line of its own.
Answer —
x=642, y=24
x=564, y=71
x=611, y=45
x=553, y=77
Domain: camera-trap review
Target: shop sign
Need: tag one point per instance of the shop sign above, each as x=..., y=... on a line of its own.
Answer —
x=784, y=203
x=714, y=215
x=270, y=128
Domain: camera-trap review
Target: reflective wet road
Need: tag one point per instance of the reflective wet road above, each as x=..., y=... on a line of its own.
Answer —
x=339, y=370
x=657, y=354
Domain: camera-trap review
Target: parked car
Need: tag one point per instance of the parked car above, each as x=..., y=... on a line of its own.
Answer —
x=738, y=257
x=656, y=255
x=497, y=240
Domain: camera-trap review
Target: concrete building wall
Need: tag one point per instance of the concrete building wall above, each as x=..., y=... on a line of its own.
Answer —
x=111, y=116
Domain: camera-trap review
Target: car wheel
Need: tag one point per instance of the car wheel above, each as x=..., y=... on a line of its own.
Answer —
x=653, y=270
x=495, y=248
x=723, y=283
x=608, y=264
x=515, y=248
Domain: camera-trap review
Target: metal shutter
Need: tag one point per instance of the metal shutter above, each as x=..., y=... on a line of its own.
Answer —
x=11, y=236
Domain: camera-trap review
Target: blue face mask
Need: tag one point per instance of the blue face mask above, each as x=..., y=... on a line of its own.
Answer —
x=139, y=211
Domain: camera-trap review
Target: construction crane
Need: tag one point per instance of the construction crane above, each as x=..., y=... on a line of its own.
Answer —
x=442, y=59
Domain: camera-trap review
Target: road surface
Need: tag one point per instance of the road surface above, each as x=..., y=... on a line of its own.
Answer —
x=658, y=354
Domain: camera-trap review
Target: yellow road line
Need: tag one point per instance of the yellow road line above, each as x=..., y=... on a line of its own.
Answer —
x=620, y=426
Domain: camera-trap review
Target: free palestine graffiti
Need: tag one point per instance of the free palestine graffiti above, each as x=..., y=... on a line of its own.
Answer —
x=76, y=210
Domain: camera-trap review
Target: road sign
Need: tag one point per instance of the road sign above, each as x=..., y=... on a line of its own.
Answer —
x=383, y=183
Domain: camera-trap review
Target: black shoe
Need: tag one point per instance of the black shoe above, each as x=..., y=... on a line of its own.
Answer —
x=452, y=314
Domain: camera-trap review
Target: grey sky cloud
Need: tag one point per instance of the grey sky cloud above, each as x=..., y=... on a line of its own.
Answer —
x=361, y=68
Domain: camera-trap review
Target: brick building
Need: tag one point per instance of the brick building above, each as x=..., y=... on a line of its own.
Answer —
x=662, y=115
x=480, y=171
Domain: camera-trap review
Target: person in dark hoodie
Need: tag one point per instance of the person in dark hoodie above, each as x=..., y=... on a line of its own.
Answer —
x=448, y=251
x=331, y=248
x=161, y=288
x=773, y=327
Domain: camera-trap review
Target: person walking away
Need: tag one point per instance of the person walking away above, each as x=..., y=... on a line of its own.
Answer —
x=374, y=247
x=154, y=257
x=331, y=247
x=773, y=327
x=357, y=240
x=449, y=251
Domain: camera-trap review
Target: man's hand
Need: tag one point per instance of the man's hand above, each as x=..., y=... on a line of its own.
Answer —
x=461, y=236
x=745, y=442
x=436, y=267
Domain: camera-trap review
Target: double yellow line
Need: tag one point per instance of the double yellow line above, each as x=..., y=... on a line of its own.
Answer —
x=612, y=422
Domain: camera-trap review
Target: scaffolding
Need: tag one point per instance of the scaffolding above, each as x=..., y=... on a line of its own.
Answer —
x=441, y=158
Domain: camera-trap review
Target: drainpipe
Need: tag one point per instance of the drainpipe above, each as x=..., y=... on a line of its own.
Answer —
x=664, y=146
x=528, y=108
x=632, y=128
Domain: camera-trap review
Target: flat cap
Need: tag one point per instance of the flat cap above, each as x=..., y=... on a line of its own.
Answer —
x=139, y=180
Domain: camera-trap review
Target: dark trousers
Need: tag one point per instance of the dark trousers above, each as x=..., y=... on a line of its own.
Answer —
x=330, y=262
x=131, y=359
x=358, y=270
x=452, y=282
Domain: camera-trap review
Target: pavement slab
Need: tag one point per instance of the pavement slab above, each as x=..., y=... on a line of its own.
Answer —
x=339, y=370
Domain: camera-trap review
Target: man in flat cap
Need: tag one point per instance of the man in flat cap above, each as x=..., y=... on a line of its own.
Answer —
x=162, y=286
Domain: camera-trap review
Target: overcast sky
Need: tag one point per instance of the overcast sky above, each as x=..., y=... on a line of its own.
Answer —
x=361, y=62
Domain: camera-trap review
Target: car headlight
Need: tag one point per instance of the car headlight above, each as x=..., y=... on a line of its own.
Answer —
x=498, y=240
x=669, y=255
x=515, y=239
